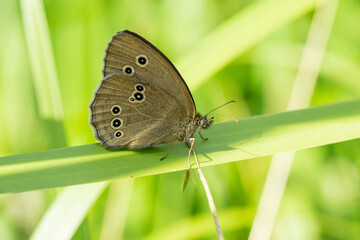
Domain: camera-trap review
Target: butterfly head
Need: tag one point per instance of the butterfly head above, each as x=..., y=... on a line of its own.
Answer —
x=203, y=122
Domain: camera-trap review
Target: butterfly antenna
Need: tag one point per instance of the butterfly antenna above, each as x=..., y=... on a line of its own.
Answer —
x=224, y=116
x=220, y=107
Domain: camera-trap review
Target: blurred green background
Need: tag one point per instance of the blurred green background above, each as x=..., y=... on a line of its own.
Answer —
x=322, y=197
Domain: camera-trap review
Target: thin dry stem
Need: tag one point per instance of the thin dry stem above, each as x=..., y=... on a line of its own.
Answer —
x=208, y=195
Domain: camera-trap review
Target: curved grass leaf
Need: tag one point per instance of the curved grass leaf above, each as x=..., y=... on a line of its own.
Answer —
x=228, y=142
x=237, y=35
x=58, y=222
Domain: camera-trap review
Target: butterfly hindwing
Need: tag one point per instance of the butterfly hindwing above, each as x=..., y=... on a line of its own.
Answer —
x=129, y=113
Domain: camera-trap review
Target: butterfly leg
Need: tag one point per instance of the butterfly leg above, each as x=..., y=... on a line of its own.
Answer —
x=168, y=150
x=202, y=137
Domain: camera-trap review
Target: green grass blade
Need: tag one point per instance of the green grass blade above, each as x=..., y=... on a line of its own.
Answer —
x=350, y=68
x=117, y=209
x=60, y=221
x=41, y=59
x=237, y=35
x=228, y=142
x=43, y=70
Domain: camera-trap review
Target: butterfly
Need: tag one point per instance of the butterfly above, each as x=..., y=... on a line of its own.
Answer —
x=142, y=99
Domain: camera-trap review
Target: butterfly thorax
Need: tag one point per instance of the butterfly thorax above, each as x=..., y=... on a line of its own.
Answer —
x=187, y=130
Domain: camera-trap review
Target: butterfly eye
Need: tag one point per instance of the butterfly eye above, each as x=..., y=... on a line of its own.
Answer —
x=116, y=123
x=118, y=134
x=128, y=70
x=197, y=121
x=139, y=87
x=142, y=60
x=116, y=110
x=139, y=96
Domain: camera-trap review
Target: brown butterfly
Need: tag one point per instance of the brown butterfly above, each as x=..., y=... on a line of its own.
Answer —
x=142, y=99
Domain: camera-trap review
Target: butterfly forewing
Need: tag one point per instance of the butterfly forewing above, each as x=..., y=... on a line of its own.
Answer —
x=132, y=55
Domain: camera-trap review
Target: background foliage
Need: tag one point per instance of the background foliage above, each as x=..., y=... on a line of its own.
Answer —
x=322, y=198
